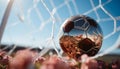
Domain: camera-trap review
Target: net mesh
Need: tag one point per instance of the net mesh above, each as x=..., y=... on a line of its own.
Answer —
x=37, y=23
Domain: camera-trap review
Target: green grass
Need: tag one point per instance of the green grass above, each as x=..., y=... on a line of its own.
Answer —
x=109, y=58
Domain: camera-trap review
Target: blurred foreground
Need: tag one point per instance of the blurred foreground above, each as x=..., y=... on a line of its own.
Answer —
x=28, y=58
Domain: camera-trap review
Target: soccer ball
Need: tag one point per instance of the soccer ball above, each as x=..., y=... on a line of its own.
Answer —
x=81, y=35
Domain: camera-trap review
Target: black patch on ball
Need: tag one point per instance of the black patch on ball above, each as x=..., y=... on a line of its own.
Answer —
x=68, y=27
x=86, y=44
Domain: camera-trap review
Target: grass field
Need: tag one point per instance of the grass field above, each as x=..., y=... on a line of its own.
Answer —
x=109, y=58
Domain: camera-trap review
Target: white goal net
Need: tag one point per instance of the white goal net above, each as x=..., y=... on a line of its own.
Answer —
x=36, y=23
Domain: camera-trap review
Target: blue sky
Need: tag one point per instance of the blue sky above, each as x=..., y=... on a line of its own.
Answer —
x=36, y=24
